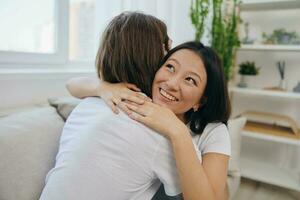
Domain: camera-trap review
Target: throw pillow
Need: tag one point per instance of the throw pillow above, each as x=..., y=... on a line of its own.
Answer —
x=64, y=105
x=28, y=146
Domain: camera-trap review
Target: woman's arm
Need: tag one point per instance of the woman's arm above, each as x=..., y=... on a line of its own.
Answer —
x=205, y=181
x=199, y=181
x=82, y=87
x=111, y=93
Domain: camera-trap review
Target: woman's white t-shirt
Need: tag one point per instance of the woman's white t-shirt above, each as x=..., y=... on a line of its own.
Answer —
x=107, y=156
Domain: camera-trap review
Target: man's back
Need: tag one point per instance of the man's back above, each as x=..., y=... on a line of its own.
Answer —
x=107, y=156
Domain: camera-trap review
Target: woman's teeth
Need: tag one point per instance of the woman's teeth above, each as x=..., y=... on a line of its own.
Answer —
x=166, y=95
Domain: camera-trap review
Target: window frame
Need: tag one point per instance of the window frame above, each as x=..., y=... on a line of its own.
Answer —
x=60, y=56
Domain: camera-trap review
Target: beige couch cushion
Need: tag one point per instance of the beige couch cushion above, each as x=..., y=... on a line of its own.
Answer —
x=64, y=105
x=235, y=127
x=28, y=145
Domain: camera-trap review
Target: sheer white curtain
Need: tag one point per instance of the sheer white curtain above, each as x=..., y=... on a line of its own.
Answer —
x=175, y=13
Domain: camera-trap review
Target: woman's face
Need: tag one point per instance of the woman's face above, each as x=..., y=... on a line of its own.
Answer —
x=180, y=82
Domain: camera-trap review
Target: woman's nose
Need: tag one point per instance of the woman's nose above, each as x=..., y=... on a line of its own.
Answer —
x=173, y=83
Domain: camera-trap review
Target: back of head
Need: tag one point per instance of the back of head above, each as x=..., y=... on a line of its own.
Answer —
x=132, y=49
x=215, y=103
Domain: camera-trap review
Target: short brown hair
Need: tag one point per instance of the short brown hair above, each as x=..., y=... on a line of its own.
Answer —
x=132, y=49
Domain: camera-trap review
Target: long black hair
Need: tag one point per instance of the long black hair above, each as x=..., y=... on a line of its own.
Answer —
x=214, y=103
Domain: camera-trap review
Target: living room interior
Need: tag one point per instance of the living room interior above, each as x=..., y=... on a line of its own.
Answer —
x=43, y=44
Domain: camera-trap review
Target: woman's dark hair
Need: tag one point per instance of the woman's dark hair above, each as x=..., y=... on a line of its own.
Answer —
x=215, y=103
x=132, y=49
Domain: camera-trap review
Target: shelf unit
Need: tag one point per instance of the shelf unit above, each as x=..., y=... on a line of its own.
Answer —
x=262, y=92
x=264, y=171
x=271, y=138
x=252, y=164
x=269, y=47
x=262, y=5
x=270, y=174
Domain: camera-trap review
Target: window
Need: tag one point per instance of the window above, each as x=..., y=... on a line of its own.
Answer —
x=27, y=26
x=62, y=31
x=82, y=44
x=33, y=31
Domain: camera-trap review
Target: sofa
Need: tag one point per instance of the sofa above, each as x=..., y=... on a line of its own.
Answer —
x=29, y=142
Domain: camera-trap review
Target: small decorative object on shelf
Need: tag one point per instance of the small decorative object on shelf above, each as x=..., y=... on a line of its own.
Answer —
x=297, y=88
x=247, y=69
x=281, y=36
x=281, y=69
x=246, y=39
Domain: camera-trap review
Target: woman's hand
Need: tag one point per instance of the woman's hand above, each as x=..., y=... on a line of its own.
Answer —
x=159, y=118
x=114, y=93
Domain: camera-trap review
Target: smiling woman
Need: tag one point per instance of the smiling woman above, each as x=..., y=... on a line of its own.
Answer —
x=190, y=107
x=178, y=84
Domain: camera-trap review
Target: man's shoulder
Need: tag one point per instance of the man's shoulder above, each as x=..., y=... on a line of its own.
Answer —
x=91, y=105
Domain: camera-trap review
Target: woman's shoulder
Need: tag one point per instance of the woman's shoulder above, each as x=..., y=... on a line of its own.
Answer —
x=215, y=127
x=215, y=138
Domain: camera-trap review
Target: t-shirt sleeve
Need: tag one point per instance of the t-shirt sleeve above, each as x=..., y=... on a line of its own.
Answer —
x=164, y=166
x=215, y=139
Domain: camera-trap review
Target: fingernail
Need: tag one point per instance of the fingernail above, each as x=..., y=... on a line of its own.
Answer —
x=129, y=113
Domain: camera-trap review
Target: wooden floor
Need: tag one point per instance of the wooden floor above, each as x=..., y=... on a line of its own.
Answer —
x=252, y=190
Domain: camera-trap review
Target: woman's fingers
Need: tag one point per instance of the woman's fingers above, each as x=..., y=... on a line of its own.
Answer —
x=116, y=100
x=132, y=87
x=139, y=109
x=132, y=97
x=136, y=117
x=112, y=106
x=139, y=118
x=124, y=108
x=136, y=97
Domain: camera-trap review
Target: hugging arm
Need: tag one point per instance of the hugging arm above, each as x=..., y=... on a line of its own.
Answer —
x=111, y=93
x=82, y=87
x=206, y=180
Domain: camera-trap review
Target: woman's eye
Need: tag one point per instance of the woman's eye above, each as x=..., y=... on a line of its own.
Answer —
x=170, y=67
x=191, y=80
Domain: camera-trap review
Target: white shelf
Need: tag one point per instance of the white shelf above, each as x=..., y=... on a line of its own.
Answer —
x=272, y=138
x=269, y=47
x=262, y=5
x=261, y=92
x=268, y=173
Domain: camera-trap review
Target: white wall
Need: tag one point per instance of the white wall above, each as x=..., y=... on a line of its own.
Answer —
x=25, y=85
x=21, y=89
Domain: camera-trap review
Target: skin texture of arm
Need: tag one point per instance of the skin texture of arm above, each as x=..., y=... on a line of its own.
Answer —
x=82, y=87
x=112, y=94
x=199, y=181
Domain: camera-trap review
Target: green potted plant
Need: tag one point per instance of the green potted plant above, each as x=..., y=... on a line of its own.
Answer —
x=247, y=69
x=222, y=27
x=280, y=36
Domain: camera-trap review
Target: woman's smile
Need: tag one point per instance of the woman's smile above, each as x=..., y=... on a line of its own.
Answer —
x=180, y=82
x=167, y=95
